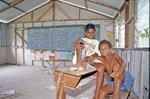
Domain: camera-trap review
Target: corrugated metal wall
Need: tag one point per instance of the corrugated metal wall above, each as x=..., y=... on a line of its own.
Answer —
x=138, y=66
x=3, y=43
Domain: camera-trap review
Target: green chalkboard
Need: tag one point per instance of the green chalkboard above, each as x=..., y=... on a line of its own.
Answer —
x=56, y=37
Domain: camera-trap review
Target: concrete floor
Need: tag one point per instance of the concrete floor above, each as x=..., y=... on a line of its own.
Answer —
x=33, y=82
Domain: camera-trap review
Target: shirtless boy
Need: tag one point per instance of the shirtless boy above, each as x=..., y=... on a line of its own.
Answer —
x=113, y=66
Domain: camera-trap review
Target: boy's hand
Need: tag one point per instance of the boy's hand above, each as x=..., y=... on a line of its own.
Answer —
x=81, y=64
x=115, y=75
x=79, y=44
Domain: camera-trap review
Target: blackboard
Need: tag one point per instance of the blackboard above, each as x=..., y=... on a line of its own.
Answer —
x=56, y=37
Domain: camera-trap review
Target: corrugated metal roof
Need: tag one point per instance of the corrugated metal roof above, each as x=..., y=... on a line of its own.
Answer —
x=13, y=9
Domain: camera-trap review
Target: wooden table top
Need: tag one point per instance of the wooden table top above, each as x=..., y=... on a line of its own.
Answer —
x=75, y=73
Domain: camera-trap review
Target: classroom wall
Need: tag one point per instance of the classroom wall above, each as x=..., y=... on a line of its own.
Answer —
x=63, y=14
x=138, y=65
x=3, y=43
x=17, y=37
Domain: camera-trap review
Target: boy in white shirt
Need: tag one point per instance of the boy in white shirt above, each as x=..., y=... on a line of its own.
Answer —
x=87, y=46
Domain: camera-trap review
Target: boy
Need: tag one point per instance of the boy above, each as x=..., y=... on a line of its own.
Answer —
x=87, y=46
x=113, y=65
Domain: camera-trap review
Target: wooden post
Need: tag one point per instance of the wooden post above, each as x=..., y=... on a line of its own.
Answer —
x=23, y=45
x=126, y=25
x=15, y=44
x=53, y=10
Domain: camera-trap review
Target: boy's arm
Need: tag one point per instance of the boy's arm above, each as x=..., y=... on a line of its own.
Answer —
x=122, y=63
x=90, y=58
x=122, y=67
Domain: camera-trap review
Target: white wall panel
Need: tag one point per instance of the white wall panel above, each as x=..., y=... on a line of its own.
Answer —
x=3, y=52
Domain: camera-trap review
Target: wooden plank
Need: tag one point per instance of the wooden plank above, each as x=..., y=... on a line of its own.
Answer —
x=75, y=73
x=11, y=5
x=126, y=25
x=53, y=11
x=86, y=4
x=15, y=45
x=120, y=10
x=23, y=46
x=62, y=20
x=79, y=13
x=20, y=36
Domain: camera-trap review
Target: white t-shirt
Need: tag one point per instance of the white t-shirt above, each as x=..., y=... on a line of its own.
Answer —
x=90, y=47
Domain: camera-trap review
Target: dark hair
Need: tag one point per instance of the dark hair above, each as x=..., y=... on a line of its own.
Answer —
x=105, y=42
x=89, y=26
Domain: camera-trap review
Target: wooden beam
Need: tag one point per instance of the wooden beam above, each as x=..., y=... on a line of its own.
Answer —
x=20, y=36
x=53, y=10
x=32, y=18
x=23, y=45
x=11, y=5
x=120, y=10
x=63, y=20
x=86, y=4
x=65, y=2
x=45, y=12
x=126, y=25
x=103, y=4
x=79, y=13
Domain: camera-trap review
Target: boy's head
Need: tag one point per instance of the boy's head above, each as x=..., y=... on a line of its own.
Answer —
x=105, y=47
x=90, y=31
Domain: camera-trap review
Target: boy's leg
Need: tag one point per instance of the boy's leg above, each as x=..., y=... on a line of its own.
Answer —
x=99, y=79
x=117, y=82
x=116, y=93
x=105, y=90
x=79, y=54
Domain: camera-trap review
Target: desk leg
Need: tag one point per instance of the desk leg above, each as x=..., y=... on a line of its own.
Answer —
x=61, y=94
x=32, y=62
x=42, y=62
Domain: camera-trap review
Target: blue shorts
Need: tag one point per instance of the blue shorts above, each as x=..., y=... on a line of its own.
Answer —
x=128, y=83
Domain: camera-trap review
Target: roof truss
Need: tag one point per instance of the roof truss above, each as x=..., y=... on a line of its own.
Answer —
x=11, y=5
x=15, y=2
x=85, y=8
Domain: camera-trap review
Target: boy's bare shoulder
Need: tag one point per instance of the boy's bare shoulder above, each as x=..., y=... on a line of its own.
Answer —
x=115, y=55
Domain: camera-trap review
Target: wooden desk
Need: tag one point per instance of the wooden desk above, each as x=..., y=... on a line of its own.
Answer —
x=65, y=78
x=53, y=61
